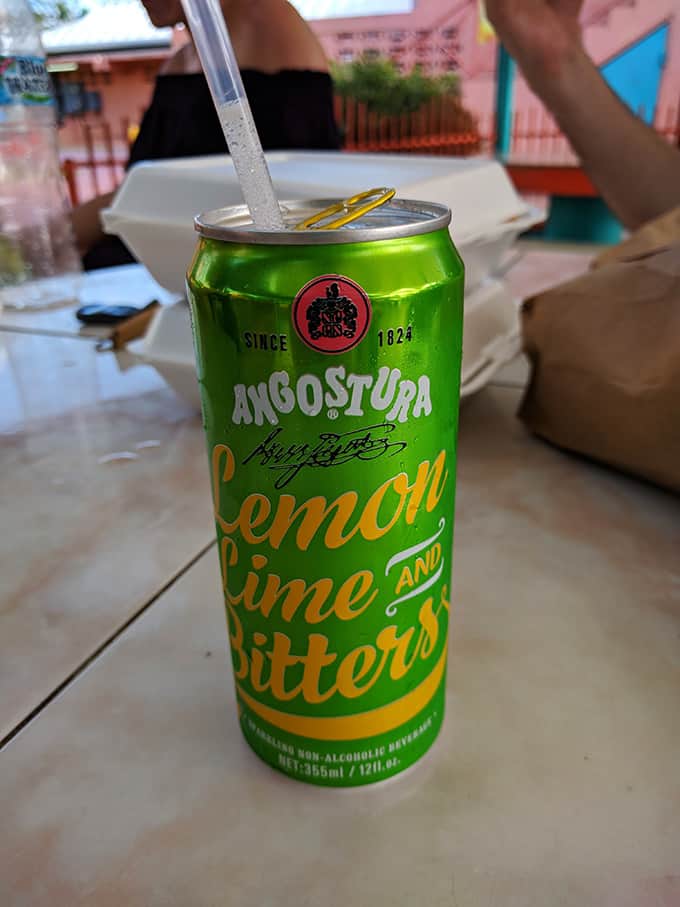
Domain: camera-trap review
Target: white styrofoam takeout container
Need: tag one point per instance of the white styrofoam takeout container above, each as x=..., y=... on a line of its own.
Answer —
x=490, y=340
x=153, y=210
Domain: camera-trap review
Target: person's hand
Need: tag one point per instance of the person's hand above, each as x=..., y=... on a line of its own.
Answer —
x=537, y=33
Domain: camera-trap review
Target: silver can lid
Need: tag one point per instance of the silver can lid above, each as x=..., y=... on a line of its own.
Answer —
x=397, y=219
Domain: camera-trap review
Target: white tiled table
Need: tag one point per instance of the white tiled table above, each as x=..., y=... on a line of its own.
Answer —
x=105, y=498
x=555, y=780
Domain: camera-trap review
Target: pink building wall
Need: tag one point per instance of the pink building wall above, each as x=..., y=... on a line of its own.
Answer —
x=442, y=35
x=125, y=91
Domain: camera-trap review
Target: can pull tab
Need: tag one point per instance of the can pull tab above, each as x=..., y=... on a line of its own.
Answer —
x=350, y=209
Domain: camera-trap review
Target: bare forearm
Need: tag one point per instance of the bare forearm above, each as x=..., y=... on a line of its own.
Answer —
x=87, y=227
x=637, y=171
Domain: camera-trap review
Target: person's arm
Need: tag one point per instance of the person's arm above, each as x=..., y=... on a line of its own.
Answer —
x=270, y=35
x=87, y=227
x=635, y=169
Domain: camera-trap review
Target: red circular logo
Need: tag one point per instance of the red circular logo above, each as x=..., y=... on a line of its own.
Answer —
x=331, y=314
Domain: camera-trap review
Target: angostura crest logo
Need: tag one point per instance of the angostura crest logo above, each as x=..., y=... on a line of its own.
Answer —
x=331, y=314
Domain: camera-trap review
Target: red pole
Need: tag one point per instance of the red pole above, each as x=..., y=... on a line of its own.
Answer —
x=350, y=123
x=108, y=142
x=71, y=182
x=531, y=132
x=90, y=159
x=427, y=119
x=442, y=120
x=361, y=126
x=337, y=108
x=557, y=140
x=544, y=121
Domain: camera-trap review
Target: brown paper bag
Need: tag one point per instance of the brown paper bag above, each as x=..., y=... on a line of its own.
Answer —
x=656, y=235
x=605, y=351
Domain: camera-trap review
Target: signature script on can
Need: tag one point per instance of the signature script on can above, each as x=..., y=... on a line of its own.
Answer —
x=332, y=449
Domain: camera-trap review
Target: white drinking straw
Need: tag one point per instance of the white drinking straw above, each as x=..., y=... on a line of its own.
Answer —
x=209, y=31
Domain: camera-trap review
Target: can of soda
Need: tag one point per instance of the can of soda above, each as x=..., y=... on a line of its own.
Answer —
x=329, y=367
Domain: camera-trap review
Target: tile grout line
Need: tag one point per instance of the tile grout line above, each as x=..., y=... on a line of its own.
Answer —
x=101, y=648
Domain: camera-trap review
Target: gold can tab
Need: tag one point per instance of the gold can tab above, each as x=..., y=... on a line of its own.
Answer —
x=348, y=210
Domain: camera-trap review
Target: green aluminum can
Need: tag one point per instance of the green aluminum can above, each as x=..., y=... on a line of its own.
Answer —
x=329, y=366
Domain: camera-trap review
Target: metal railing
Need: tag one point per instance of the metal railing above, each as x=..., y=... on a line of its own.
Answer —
x=439, y=127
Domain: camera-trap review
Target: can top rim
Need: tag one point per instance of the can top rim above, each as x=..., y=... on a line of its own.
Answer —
x=398, y=219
